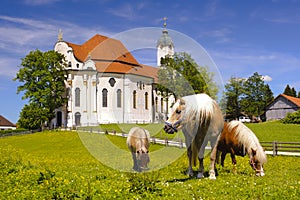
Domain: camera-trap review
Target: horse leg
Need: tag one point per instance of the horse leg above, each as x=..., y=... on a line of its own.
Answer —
x=218, y=157
x=223, y=158
x=213, y=157
x=190, y=168
x=233, y=162
x=201, y=168
x=135, y=165
x=213, y=154
x=201, y=158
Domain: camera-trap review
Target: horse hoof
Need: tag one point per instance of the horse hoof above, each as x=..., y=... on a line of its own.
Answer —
x=200, y=175
x=260, y=174
x=212, y=177
x=190, y=173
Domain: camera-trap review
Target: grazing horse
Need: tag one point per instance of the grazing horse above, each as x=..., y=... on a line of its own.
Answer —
x=138, y=142
x=200, y=119
x=238, y=139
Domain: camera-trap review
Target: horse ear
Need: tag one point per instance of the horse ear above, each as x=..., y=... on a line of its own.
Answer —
x=253, y=151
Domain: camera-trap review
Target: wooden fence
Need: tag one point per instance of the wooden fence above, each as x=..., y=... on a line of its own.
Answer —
x=272, y=148
x=282, y=148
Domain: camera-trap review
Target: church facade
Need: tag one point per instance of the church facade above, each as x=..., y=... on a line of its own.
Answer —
x=106, y=84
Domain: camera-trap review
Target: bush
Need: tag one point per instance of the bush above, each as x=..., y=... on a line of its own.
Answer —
x=292, y=118
x=18, y=130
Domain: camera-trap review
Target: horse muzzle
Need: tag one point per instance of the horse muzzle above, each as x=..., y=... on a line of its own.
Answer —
x=171, y=128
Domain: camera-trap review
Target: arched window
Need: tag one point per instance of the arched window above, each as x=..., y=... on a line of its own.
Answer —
x=104, y=97
x=119, y=96
x=167, y=105
x=77, y=119
x=156, y=104
x=146, y=100
x=134, y=99
x=77, y=97
x=162, y=105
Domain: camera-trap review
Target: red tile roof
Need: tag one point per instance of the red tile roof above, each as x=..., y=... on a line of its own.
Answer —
x=294, y=100
x=5, y=122
x=110, y=55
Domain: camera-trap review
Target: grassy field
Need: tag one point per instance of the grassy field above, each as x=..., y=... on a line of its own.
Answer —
x=59, y=165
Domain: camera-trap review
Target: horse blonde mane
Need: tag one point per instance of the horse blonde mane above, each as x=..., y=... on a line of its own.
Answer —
x=199, y=106
x=247, y=138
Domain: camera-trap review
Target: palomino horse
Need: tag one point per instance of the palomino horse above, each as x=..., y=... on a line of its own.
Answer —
x=238, y=139
x=138, y=142
x=200, y=118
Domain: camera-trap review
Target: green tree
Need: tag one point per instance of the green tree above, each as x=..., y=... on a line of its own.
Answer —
x=255, y=98
x=268, y=96
x=287, y=90
x=180, y=75
x=32, y=116
x=234, y=91
x=42, y=77
x=293, y=92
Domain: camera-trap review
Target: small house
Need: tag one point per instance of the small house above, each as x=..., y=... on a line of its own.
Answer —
x=6, y=124
x=281, y=106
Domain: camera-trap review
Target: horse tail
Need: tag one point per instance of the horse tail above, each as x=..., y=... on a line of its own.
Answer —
x=195, y=151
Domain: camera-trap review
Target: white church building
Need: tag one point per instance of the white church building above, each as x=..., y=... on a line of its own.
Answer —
x=106, y=84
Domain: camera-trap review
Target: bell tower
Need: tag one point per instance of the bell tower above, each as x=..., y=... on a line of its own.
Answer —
x=165, y=45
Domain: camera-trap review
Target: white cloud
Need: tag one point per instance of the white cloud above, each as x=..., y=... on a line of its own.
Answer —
x=125, y=11
x=20, y=35
x=267, y=78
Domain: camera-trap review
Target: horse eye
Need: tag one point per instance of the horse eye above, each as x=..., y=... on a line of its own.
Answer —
x=178, y=111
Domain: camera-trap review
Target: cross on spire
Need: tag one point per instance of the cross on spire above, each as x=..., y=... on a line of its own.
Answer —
x=165, y=22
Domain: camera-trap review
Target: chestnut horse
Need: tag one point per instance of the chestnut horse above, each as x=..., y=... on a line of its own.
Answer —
x=138, y=142
x=238, y=139
x=200, y=118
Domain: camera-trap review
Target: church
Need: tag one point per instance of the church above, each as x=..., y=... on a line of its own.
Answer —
x=106, y=84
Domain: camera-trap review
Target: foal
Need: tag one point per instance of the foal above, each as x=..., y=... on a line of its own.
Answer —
x=138, y=142
x=238, y=139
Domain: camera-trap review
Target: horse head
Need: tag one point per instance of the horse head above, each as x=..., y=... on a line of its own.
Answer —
x=142, y=158
x=175, y=120
x=256, y=164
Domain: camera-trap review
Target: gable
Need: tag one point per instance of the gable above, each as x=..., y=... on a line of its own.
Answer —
x=284, y=102
x=5, y=122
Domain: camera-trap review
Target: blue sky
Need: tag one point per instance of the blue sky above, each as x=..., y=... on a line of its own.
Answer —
x=241, y=37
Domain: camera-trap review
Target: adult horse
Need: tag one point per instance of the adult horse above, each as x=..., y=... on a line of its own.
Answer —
x=138, y=142
x=200, y=118
x=238, y=139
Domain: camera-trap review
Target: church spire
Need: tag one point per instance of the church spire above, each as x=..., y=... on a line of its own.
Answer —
x=60, y=36
x=165, y=45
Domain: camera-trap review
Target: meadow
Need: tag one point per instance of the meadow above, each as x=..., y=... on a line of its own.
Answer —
x=59, y=165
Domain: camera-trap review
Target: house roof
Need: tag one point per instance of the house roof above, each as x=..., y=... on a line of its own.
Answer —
x=110, y=55
x=5, y=122
x=294, y=100
x=118, y=67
